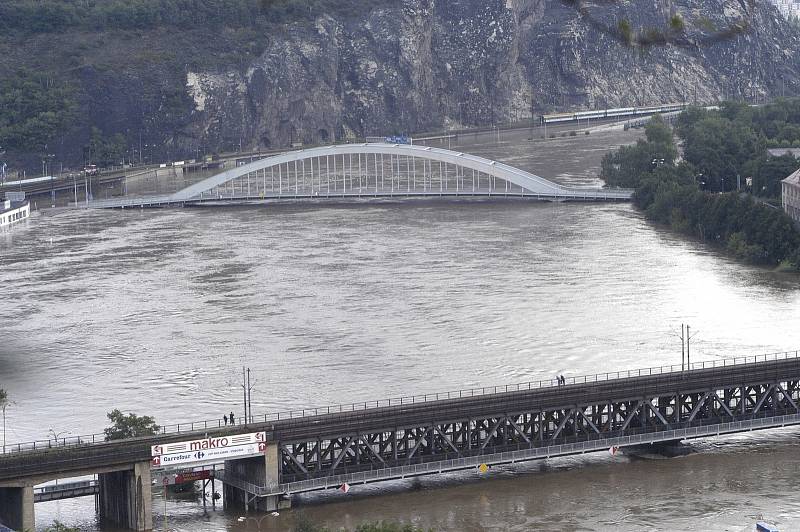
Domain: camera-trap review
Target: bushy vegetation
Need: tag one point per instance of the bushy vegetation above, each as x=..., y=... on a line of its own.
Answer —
x=44, y=16
x=626, y=166
x=105, y=151
x=33, y=108
x=129, y=426
x=685, y=195
x=729, y=145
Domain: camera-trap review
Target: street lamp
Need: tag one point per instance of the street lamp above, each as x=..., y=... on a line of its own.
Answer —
x=56, y=435
x=4, y=402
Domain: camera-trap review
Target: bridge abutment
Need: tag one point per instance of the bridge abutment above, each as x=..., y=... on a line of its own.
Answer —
x=125, y=497
x=257, y=471
x=16, y=508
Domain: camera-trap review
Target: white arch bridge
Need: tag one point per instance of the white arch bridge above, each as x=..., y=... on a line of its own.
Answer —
x=370, y=171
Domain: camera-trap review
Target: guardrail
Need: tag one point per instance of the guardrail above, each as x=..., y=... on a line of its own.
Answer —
x=195, y=426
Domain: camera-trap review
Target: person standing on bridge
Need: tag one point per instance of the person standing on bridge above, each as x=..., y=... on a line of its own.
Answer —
x=225, y=418
x=231, y=417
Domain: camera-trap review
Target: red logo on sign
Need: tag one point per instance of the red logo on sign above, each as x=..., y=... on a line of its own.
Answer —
x=156, y=461
x=262, y=447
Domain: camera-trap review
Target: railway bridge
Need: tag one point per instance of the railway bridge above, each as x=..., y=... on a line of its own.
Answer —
x=371, y=170
x=321, y=448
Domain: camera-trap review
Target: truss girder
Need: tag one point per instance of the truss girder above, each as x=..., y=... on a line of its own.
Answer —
x=437, y=440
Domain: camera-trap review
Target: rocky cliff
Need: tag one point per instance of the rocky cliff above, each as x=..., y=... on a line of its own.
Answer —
x=416, y=65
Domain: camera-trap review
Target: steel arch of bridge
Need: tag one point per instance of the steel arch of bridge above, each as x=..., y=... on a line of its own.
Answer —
x=381, y=170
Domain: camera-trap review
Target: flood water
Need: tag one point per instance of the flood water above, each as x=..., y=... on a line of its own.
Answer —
x=156, y=312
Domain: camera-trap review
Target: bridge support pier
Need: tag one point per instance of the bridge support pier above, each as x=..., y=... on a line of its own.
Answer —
x=16, y=508
x=125, y=498
x=256, y=471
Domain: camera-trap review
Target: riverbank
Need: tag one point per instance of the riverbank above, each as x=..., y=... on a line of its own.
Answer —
x=673, y=192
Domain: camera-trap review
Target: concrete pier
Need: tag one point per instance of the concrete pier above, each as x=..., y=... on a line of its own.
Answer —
x=125, y=498
x=16, y=507
x=257, y=471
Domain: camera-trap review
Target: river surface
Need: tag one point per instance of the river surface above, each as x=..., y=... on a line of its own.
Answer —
x=157, y=311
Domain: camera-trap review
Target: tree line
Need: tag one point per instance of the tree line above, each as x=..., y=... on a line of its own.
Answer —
x=704, y=192
x=46, y=16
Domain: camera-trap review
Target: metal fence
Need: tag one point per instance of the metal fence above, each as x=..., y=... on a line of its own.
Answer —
x=195, y=426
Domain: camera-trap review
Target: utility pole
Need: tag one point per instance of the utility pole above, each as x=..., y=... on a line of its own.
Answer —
x=683, y=349
x=249, y=399
x=687, y=345
x=246, y=389
x=689, y=337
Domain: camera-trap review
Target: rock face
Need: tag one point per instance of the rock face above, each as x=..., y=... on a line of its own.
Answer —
x=428, y=64
x=415, y=65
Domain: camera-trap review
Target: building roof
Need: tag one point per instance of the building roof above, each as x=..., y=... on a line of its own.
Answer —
x=793, y=179
x=14, y=205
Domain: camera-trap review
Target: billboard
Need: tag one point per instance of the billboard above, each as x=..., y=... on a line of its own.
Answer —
x=208, y=449
x=398, y=139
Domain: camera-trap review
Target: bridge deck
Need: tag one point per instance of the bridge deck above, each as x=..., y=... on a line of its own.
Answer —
x=634, y=388
x=170, y=201
x=79, y=459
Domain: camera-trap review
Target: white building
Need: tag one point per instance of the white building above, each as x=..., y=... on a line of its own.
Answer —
x=13, y=211
x=788, y=8
x=790, y=196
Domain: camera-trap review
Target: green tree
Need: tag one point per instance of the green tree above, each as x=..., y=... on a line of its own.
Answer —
x=627, y=166
x=34, y=107
x=718, y=148
x=720, y=145
x=768, y=172
x=105, y=151
x=129, y=426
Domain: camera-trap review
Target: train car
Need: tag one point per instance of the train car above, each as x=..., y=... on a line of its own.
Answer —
x=584, y=115
x=620, y=111
x=557, y=118
x=673, y=107
x=611, y=113
x=648, y=110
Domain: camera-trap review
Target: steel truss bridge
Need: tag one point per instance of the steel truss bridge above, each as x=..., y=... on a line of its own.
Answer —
x=370, y=171
x=459, y=433
x=391, y=439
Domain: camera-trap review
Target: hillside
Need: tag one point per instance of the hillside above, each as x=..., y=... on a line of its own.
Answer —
x=179, y=77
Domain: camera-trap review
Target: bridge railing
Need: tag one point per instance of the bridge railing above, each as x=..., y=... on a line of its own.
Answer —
x=196, y=426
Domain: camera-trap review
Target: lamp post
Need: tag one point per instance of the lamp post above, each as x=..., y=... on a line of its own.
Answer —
x=4, y=402
x=56, y=435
